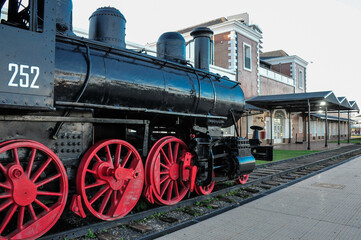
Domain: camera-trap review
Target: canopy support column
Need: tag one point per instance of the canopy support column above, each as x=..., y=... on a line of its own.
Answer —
x=289, y=127
x=326, y=128
x=271, y=130
x=339, y=129
x=309, y=124
x=348, y=126
x=304, y=126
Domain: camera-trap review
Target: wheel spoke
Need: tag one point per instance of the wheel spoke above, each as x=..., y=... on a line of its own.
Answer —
x=6, y=204
x=170, y=191
x=98, y=158
x=163, y=179
x=165, y=166
x=126, y=158
x=7, y=218
x=117, y=155
x=105, y=201
x=164, y=172
x=47, y=180
x=21, y=217
x=32, y=212
x=164, y=188
x=175, y=156
x=31, y=162
x=170, y=152
x=98, y=194
x=3, y=168
x=98, y=183
x=41, y=170
x=165, y=157
x=16, y=156
x=5, y=185
x=42, y=205
x=92, y=171
x=176, y=188
x=5, y=195
x=46, y=193
x=108, y=155
x=115, y=198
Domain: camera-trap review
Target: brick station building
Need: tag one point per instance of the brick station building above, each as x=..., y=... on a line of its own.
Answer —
x=236, y=51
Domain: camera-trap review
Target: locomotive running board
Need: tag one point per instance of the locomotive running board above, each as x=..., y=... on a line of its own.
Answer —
x=89, y=105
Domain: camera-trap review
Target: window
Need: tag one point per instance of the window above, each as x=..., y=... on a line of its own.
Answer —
x=300, y=125
x=250, y=123
x=247, y=61
x=211, y=51
x=23, y=14
x=228, y=131
x=300, y=79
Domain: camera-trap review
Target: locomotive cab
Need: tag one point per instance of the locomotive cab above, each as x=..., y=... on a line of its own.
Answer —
x=27, y=54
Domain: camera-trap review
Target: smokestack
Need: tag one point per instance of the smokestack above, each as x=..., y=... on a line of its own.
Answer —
x=201, y=36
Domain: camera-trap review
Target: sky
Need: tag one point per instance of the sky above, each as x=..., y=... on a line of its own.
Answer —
x=325, y=33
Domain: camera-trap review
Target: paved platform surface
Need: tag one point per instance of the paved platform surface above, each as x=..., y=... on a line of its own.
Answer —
x=326, y=206
x=315, y=145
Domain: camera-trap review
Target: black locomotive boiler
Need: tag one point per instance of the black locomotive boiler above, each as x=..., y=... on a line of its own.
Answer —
x=91, y=125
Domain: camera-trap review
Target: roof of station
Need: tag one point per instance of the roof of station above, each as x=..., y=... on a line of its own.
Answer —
x=354, y=106
x=252, y=110
x=298, y=102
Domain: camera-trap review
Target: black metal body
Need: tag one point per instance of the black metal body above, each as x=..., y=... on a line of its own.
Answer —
x=127, y=79
x=86, y=91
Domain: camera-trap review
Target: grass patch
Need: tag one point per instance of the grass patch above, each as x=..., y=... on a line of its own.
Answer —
x=352, y=141
x=285, y=154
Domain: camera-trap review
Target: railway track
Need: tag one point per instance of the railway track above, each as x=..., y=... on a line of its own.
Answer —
x=158, y=221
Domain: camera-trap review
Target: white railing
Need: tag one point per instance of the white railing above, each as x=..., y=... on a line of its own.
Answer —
x=223, y=72
x=275, y=76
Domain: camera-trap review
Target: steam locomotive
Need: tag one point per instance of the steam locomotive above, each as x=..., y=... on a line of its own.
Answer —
x=104, y=123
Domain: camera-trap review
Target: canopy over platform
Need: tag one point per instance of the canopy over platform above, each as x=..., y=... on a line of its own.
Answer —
x=298, y=102
x=252, y=110
x=330, y=118
x=307, y=102
x=354, y=106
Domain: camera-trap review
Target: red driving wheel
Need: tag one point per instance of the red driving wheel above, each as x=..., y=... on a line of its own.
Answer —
x=110, y=179
x=33, y=189
x=163, y=171
x=242, y=179
x=205, y=190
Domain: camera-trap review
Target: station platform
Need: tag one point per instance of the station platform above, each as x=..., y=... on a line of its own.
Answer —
x=318, y=145
x=325, y=206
